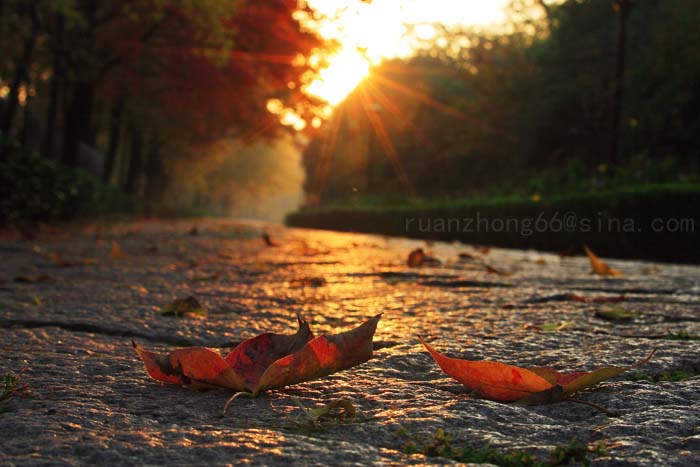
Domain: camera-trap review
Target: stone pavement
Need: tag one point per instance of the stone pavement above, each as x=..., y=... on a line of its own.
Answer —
x=69, y=330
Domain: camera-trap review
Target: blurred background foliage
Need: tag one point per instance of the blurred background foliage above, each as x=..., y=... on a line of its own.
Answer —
x=139, y=94
x=528, y=111
x=170, y=103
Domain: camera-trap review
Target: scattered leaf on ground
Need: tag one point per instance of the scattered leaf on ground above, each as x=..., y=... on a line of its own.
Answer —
x=547, y=327
x=308, y=282
x=484, y=250
x=651, y=270
x=616, y=314
x=418, y=258
x=528, y=386
x=56, y=258
x=306, y=250
x=492, y=270
x=267, y=240
x=603, y=299
x=207, y=278
x=194, y=231
x=135, y=287
x=116, y=251
x=61, y=262
x=599, y=267
x=33, y=279
x=466, y=257
x=187, y=307
x=264, y=362
x=415, y=258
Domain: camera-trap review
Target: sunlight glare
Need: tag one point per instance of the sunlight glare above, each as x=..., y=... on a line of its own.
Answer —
x=369, y=32
x=345, y=71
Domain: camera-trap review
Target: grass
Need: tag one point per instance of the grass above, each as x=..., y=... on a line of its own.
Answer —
x=321, y=418
x=410, y=203
x=682, y=336
x=440, y=445
x=12, y=386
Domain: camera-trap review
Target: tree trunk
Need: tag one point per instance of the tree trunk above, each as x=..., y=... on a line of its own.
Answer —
x=54, y=93
x=78, y=122
x=26, y=123
x=115, y=134
x=621, y=8
x=21, y=75
x=134, y=172
x=154, y=171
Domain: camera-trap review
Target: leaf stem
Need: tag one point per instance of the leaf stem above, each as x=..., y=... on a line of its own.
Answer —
x=236, y=396
x=595, y=406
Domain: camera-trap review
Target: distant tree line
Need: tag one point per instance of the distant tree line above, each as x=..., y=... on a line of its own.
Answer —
x=583, y=94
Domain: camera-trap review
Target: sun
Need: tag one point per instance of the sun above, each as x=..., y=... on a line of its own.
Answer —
x=345, y=70
x=370, y=32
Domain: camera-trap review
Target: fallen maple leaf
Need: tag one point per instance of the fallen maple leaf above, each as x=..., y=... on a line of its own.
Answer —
x=267, y=240
x=33, y=279
x=116, y=251
x=527, y=386
x=418, y=258
x=415, y=258
x=492, y=270
x=466, y=257
x=599, y=267
x=602, y=299
x=308, y=282
x=616, y=314
x=264, y=362
x=61, y=262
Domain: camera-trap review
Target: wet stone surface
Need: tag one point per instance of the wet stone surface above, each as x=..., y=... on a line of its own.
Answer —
x=91, y=401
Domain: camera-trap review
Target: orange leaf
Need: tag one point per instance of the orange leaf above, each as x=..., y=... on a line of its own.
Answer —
x=196, y=366
x=580, y=298
x=116, y=251
x=267, y=240
x=491, y=380
x=321, y=357
x=264, y=362
x=599, y=267
x=528, y=386
x=416, y=258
